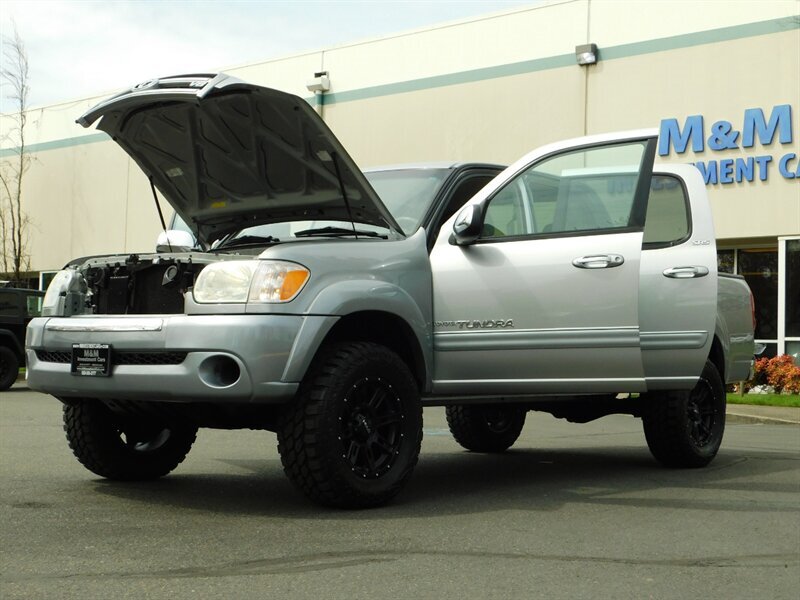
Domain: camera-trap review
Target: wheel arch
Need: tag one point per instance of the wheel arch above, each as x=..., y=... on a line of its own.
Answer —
x=717, y=356
x=9, y=340
x=387, y=329
x=368, y=310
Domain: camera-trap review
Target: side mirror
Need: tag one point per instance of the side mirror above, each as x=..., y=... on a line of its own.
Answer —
x=175, y=240
x=467, y=226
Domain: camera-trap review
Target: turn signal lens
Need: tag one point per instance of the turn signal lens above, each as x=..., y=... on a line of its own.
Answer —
x=277, y=281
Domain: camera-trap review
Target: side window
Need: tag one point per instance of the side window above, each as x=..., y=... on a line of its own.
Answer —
x=667, y=220
x=578, y=191
x=506, y=213
x=34, y=305
x=9, y=304
x=465, y=190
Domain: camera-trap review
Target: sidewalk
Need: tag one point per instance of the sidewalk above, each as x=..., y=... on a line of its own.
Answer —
x=736, y=413
x=751, y=413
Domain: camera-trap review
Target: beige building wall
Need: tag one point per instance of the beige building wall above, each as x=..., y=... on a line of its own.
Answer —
x=763, y=71
x=487, y=89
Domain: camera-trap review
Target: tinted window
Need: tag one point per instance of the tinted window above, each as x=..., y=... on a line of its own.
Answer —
x=583, y=190
x=407, y=193
x=33, y=304
x=667, y=218
x=8, y=304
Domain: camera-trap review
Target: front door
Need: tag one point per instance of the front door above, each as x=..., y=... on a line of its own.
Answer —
x=546, y=299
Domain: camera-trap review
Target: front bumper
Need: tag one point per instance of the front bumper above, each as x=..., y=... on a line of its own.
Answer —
x=260, y=347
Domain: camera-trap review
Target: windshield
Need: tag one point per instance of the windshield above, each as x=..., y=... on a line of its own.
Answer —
x=407, y=193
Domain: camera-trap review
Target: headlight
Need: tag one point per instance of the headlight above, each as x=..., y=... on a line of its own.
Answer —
x=249, y=281
x=224, y=282
x=66, y=295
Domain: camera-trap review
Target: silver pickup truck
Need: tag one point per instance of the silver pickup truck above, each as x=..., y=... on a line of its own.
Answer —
x=579, y=281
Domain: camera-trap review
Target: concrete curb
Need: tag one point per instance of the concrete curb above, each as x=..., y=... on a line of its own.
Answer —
x=743, y=418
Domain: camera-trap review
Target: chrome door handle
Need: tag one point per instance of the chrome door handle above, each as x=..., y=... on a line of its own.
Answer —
x=685, y=272
x=598, y=261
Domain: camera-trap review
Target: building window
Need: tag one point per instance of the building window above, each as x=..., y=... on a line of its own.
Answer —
x=726, y=261
x=760, y=269
x=791, y=298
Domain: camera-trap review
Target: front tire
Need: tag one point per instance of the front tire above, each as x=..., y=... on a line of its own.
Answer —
x=684, y=429
x=352, y=437
x=487, y=427
x=9, y=368
x=117, y=447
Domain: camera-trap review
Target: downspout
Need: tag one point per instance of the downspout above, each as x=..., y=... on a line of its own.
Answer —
x=586, y=71
x=319, y=85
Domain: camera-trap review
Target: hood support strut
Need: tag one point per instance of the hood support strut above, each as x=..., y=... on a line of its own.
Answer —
x=335, y=157
x=160, y=214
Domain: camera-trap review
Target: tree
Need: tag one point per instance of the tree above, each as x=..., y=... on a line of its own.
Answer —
x=14, y=221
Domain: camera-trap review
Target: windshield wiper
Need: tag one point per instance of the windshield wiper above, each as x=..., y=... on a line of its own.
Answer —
x=247, y=240
x=338, y=232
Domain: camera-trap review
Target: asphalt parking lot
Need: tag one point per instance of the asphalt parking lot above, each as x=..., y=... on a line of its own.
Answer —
x=573, y=511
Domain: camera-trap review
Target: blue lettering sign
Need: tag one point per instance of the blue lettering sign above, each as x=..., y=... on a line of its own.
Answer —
x=780, y=119
x=744, y=169
x=723, y=136
x=762, y=166
x=709, y=172
x=726, y=170
x=671, y=134
x=783, y=166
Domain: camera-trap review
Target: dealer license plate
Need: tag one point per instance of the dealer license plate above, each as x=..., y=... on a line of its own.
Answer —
x=91, y=360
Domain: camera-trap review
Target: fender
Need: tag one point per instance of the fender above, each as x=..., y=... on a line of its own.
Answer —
x=351, y=296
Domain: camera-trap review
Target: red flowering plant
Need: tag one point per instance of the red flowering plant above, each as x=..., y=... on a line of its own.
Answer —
x=783, y=374
x=779, y=372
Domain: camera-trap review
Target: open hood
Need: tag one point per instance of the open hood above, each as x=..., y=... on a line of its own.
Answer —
x=227, y=154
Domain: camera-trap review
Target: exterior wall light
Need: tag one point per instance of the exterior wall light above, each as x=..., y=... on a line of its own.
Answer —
x=320, y=83
x=586, y=54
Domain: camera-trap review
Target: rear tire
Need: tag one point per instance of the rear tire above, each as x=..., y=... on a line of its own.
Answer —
x=684, y=429
x=9, y=368
x=116, y=447
x=487, y=427
x=352, y=436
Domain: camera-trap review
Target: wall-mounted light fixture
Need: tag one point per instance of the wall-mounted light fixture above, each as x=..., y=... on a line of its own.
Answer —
x=586, y=54
x=320, y=83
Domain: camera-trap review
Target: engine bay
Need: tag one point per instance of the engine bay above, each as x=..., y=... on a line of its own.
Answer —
x=140, y=286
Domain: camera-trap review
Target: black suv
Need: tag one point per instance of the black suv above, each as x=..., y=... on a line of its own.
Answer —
x=17, y=307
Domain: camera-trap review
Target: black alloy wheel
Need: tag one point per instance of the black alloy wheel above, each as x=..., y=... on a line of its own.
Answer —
x=371, y=427
x=352, y=436
x=684, y=429
x=701, y=414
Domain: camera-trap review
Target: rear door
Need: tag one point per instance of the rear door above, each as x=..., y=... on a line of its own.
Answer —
x=546, y=300
x=678, y=286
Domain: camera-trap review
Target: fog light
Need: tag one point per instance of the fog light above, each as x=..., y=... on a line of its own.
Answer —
x=219, y=371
